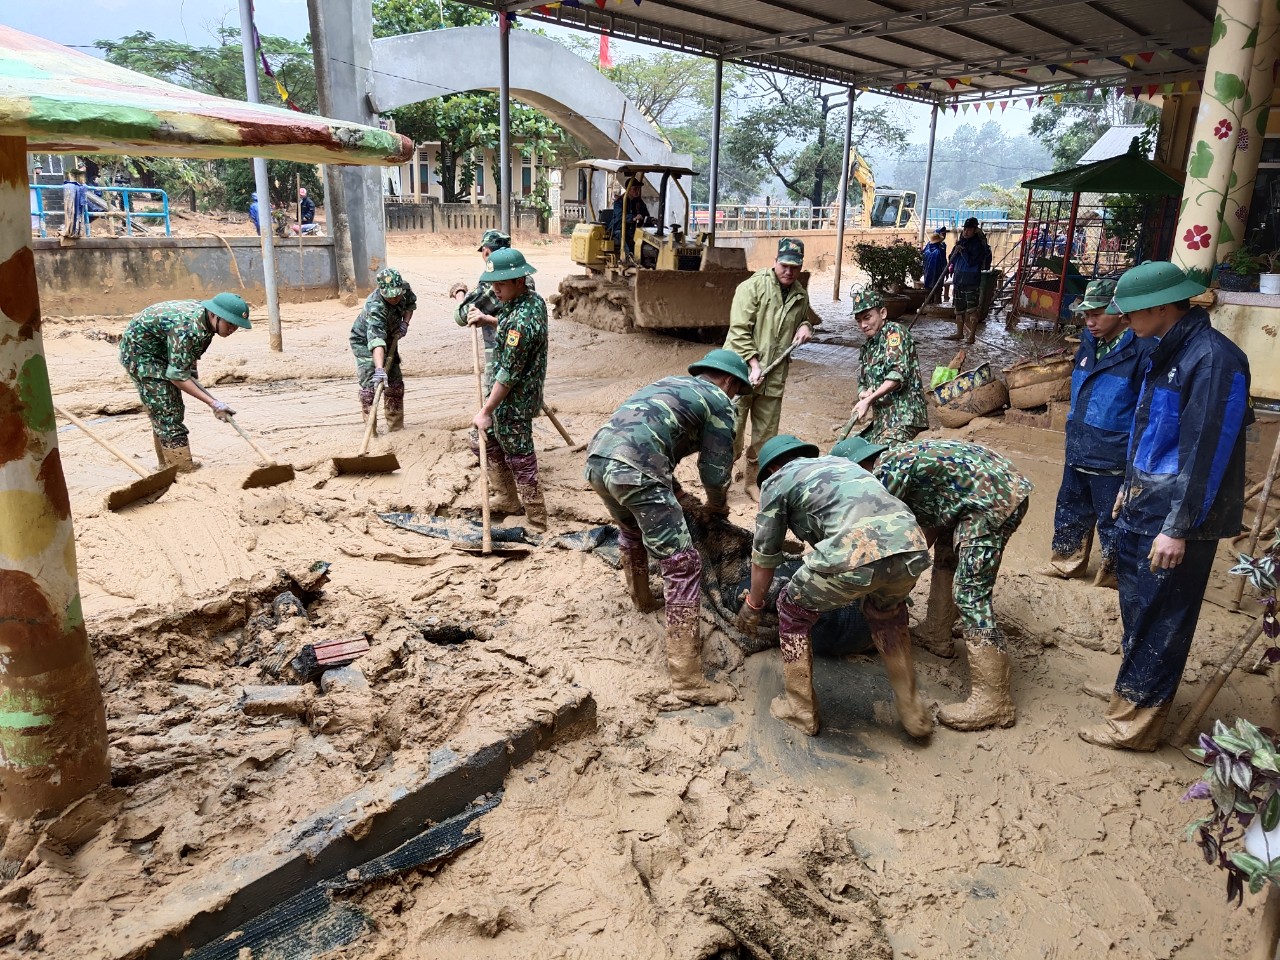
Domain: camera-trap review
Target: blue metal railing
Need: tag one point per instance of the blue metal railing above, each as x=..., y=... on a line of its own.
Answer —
x=40, y=212
x=952, y=217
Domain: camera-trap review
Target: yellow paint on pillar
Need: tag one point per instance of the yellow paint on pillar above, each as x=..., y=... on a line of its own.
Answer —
x=31, y=526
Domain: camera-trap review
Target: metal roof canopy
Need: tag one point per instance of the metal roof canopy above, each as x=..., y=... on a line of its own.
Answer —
x=918, y=50
x=627, y=168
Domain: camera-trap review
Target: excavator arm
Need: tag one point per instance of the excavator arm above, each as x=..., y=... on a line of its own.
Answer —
x=860, y=171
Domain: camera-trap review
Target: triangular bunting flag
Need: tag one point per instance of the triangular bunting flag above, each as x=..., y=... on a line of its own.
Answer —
x=913, y=86
x=1004, y=105
x=1031, y=102
x=1167, y=88
x=1146, y=57
x=1182, y=52
x=1164, y=54
x=991, y=106
x=1057, y=98
x=967, y=81
x=1039, y=99
x=965, y=107
x=1052, y=68
x=1199, y=51
x=1022, y=70
x=1089, y=94
x=1136, y=91
x=1151, y=90
x=1200, y=85
x=1130, y=60
x=900, y=87
x=1118, y=61
x=1185, y=86
x=951, y=82
x=955, y=108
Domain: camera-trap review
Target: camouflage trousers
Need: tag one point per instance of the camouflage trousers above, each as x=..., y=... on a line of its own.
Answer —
x=513, y=430
x=883, y=583
x=164, y=406
x=640, y=506
x=966, y=298
x=883, y=430
x=977, y=563
x=764, y=414
x=524, y=467
x=392, y=393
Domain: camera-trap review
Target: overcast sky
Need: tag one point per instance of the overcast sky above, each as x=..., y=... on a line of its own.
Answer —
x=193, y=22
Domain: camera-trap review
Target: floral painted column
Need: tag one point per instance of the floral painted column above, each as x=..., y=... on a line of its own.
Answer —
x=1222, y=109
x=1252, y=128
x=53, y=735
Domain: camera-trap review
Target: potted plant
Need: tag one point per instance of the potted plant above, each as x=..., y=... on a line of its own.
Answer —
x=889, y=268
x=1239, y=272
x=1269, y=279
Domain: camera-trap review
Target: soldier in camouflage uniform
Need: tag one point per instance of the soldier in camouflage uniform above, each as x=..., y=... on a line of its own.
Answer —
x=520, y=367
x=969, y=500
x=381, y=324
x=479, y=307
x=770, y=312
x=630, y=465
x=889, y=387
x=866, y=546
x=159, y=351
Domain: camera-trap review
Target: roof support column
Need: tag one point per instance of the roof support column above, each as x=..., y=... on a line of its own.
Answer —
x=1213, y=141
x=504, y=123
x=713, y=177
x=1244, y=167
x=53, y=728
x=266, y=223
x=922, y=211
x=843, y=201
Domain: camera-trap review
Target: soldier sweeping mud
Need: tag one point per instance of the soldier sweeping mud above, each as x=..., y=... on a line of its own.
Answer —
x=867, y=547
x=160, y=349
x=970, y=501
x=514, y=399
x=889, y=387
x=381, y=324
x=630, y=465
x=479, y=307
x=770, y=312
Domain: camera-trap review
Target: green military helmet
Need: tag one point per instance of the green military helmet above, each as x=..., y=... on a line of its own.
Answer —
x=1097, y=295
x=724, y=361
x=1153, y=284
x=864, y=298
x=779, y=446
x=390, y=283
x=230, y=308
x=494, y=240
x=506, y=264
x=791, y=251
x=858, y=449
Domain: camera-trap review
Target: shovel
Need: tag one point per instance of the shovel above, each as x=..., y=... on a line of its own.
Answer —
x=265, y=476
x=363, y=462
x=555, y=422
x=152, y=485
x=482, y=441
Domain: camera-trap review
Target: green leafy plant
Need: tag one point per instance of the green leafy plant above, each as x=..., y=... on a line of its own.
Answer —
x=888, y=266
x=1269, y=262
x=1242, y=263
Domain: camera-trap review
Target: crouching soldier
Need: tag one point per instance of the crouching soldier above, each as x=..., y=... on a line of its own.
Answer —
x=969, y=501
x=867, y=547
x=630, y=465
x=379, y=326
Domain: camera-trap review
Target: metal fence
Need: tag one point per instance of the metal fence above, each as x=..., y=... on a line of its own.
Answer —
x=454, y=217
x=953, y=217
x=47, y=208
x=739, y=217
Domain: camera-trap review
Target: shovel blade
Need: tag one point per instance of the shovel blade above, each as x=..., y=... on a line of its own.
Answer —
x=147, y=488
x=268, y=476
x=369, y=463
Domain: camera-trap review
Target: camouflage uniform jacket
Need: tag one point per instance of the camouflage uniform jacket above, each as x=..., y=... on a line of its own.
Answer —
x=378, y=323
x=166, y=340
x=839, y=509
x=950, y=484
x=891, y=355
x=661, y=424
x=520, y=353
x=483, y=299
x=762, y=324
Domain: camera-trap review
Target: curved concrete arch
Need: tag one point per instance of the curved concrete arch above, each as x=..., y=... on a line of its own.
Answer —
x=545, y=75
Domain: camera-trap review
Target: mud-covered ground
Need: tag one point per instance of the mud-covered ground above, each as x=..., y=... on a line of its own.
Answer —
x=683, y=834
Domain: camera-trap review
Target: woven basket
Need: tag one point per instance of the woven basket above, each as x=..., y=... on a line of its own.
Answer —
x=1037, y=371
x=967, y=381
x=1038, y=394
x=986, y=399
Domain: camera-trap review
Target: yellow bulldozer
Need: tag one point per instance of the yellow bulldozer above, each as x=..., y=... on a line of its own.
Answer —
x=644, y=272
x=881, y=206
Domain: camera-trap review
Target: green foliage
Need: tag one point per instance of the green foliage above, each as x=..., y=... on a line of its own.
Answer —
x=992, y=196
x=888, y=266
x=391, y=18
x=1071, y=127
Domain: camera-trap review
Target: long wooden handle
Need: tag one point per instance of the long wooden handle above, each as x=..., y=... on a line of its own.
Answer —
x=1229, y=662
x=486, y=541
x=771, y=367
x=377, y=397
x=249, y=440
x=555, y=422
x=1256, y=532
x=102, y=441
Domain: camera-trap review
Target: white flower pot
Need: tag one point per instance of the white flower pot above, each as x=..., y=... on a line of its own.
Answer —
x=1269, y=283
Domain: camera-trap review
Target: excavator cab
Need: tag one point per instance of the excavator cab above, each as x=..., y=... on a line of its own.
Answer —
x=894, y=209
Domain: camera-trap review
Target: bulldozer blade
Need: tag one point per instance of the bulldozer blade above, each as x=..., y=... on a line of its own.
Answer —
x=673, y=299
x=150, y=489
x=369, y=463
x=270, y=476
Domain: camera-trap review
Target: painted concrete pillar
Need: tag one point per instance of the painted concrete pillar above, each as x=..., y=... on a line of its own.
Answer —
x=713, y=173
x=1253, y=126
x=53, y=730
x=1213, y=142
x=842, y=197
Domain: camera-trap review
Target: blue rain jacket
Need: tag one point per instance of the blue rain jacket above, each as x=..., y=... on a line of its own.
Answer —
x=935, y=262
x=1104, y=397
x=969, y=258
x=1185, y=476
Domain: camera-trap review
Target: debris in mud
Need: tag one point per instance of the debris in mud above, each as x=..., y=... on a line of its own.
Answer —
x=314, y=659
x=462, y=531
x=447, y=634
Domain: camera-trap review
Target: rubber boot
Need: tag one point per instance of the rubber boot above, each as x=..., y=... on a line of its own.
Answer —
x=798, y=705
x=1099, y=691
x=180, y=457
x=160, y=462
x=890, y=634
x=1069, y=566
x=503, y=497
x=535, y=508
x=934, y=634
x=684, y=658
x=972, y=324
x=990, y=703
x=635, y=571
x=959, y=334
x=750, y=479
x=1106, y=575
x=395, y=418
x=1128, y=727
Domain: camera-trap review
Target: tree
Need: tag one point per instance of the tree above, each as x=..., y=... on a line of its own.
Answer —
x=992, y=196
x=1071, y=126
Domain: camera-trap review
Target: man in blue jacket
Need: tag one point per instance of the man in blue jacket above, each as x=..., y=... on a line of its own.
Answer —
x=1183, y=490
x=1104, y=395
x=970, y=258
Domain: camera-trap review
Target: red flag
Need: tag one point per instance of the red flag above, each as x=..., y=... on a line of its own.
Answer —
x=606, y=61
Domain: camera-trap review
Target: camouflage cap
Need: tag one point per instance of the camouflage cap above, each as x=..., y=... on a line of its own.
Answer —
x=494, y=240
x=858, y=449
x=791, y=251
x=1097, y=295
x=390, y=283
x=864, y=298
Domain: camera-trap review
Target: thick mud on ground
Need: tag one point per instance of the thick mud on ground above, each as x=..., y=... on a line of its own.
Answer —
x=693, y=833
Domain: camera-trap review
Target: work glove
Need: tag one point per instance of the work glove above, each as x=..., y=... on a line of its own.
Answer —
x=222, y=411
x=404, y=327
x=379, y=377
x=748, y=619
x=457, y=288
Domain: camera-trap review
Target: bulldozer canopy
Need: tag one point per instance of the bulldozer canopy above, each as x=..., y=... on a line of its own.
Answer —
x=627, y=168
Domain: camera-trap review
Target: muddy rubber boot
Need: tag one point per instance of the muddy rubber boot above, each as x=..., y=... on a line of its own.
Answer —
x=635, y=572
x=972, y=325
x=750, y=479
x=1099, y=691
x=1069, y=566
x=684, y=658
x=1106, y=575
x=1128, y=727
x=798, y=704
x=934, y=634
x=155, y=438
x=990, y=704
x=395, y=419
x=890, y=634
x=535, y=508
x=180, y=457
x=503, y=496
